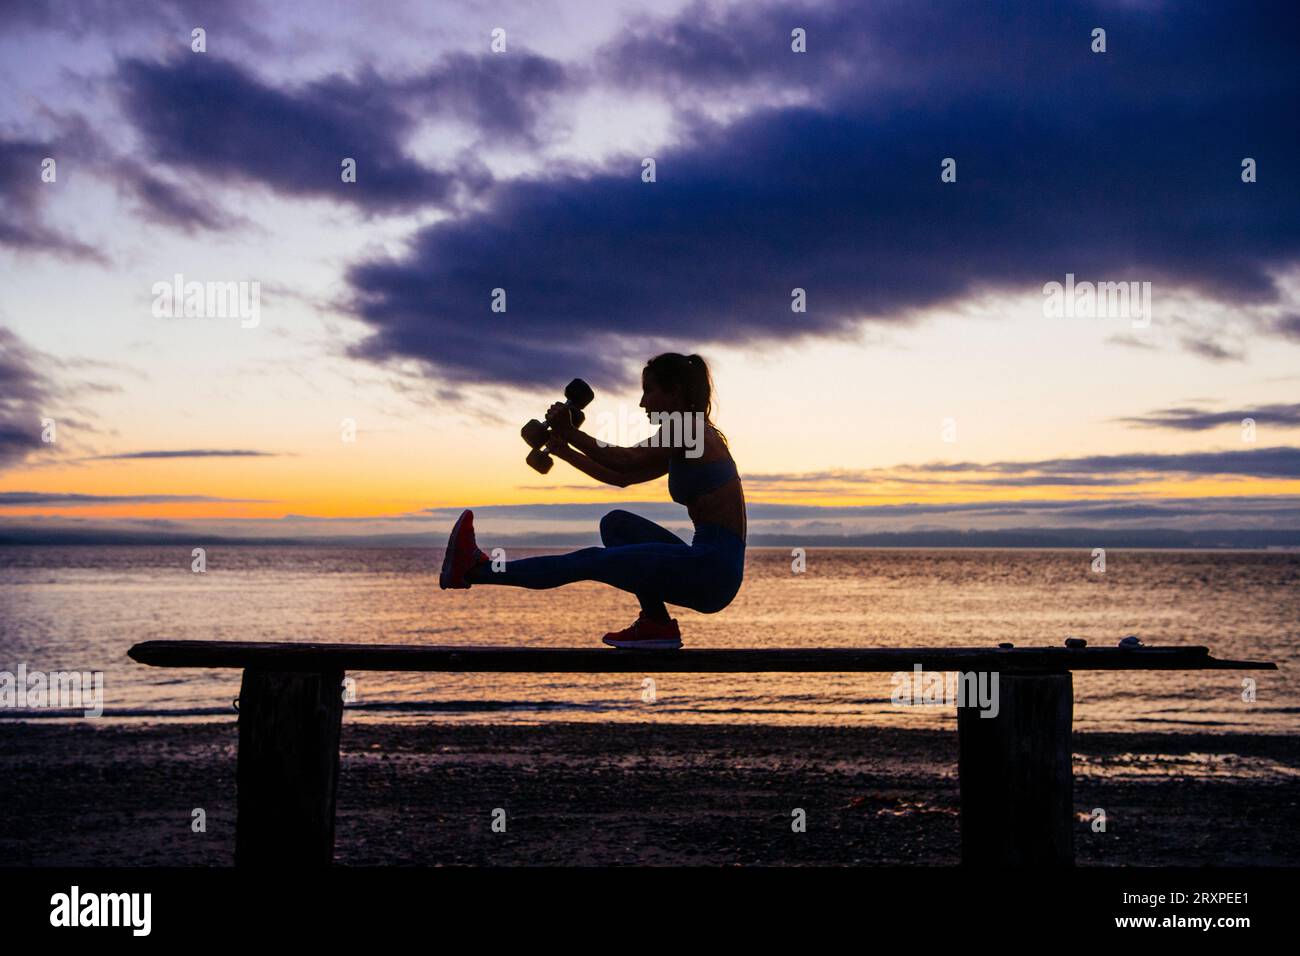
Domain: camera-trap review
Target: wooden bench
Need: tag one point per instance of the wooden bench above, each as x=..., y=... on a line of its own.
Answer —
x=1015, y=769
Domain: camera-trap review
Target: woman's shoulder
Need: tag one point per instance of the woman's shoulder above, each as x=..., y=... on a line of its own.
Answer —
x=715, y=448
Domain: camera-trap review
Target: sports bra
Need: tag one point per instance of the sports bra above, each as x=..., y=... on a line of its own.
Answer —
x=687, y=482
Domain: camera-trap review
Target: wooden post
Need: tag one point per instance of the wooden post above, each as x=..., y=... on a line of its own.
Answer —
x=288, y=767
x=1017, y=785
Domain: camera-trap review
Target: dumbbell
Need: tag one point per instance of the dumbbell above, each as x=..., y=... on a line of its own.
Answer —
x=577, y=395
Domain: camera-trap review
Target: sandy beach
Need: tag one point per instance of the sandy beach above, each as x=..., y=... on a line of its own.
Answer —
x=90, y=794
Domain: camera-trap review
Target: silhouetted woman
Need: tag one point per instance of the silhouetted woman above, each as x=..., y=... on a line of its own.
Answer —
x=640, y=556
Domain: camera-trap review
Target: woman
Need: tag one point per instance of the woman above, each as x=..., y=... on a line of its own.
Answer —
x=640, y=556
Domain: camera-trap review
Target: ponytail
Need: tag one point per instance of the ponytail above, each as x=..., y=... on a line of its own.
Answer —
x=689, y=374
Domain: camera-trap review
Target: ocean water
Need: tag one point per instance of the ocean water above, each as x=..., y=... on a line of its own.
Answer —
x=81, y=608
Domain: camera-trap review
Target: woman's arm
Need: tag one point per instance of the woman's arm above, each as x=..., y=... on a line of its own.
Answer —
x=620, y=477
x=643, y=456
x=638, y=457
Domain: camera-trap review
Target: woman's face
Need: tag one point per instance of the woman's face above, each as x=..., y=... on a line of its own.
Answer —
x=655, y=399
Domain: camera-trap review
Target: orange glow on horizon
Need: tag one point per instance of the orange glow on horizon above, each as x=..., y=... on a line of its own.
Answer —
x=378, y=498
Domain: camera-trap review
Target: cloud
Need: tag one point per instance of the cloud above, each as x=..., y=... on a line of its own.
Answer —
x=168, y=203
x=1278, y=462
x=205, y=119
x=170, y=18
x=24, y=194
x=213, y=117
x=826, y=480
x=184, y=453
x=1288, y=327
x=1210, y=349
x=1068, y=161
x=1091, y=470
x=1199, y=419
x=76, y=143
x=499, y=96
x=1131, y=341
x=25, y=391
x=36, y=387
x=28, y=499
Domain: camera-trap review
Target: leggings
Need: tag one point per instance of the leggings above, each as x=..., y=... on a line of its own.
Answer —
x=641, y=557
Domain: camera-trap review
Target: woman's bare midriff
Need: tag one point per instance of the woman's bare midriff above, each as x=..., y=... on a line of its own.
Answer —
x=723, y=506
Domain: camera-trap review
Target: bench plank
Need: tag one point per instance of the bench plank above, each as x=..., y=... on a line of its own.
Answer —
x=310, y=656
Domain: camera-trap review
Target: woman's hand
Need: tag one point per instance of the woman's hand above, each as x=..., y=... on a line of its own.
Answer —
x=561, y=422
x=557, y=441
x=558, y=446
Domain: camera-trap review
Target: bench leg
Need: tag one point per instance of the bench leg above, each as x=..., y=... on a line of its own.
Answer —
x=1017, y=785
x=288, y=768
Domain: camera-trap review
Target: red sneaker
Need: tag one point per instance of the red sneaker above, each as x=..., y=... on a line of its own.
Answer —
x=647, y=635
x=462, y=553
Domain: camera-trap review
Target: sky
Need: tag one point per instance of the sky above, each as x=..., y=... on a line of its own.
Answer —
x=923, y=172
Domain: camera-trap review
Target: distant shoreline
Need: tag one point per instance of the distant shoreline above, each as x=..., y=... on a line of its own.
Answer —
x=1287, y=542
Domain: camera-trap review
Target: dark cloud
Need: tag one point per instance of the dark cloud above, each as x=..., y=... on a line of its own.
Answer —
x=25, y=390
x=19, y=436
x=1092, y=470
x=1029, y=481
x=1145, y=511
x=1198, y=419
x=24, y=194
x=165, y=201
x=184, y=453
x=1210, y=349
x=500, y=96
x=168, y=21
x=21, y=380
x=27, y=499
x=1278, y=462
x=35, y=386
x=818, y=481
x=204, y=117
x=77, y=146
x=725, y=47
x=212, y=117
x=1068, y=161
x=171, y=204
x=1288, y=327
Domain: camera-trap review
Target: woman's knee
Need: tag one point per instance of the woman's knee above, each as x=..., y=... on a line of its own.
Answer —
x=711, y=602
x=612, y=527
x=712, y=607
x=701, y=603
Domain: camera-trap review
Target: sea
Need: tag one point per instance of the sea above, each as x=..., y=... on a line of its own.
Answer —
x=82, y=608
